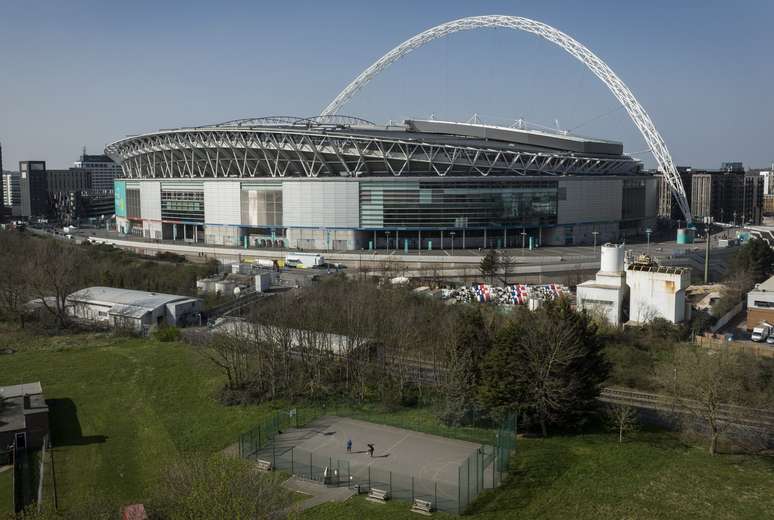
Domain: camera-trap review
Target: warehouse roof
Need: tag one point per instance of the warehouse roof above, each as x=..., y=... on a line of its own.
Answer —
x=767, y=286
x=18, y=402
x=126, y=298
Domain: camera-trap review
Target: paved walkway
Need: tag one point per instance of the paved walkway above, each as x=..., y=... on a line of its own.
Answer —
x=318, y=494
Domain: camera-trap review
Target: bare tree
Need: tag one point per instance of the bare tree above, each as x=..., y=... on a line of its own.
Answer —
x=14, y=286
x=55, y=270
x=233, y=352
x=623, y=418
x=708, y=389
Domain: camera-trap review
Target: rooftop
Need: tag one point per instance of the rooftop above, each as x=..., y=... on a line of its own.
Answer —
x=18, y=402
x=129, y=299
x=652, y=268
x=767, y=286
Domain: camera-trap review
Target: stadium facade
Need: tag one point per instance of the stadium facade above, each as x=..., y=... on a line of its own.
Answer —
x=337, y=182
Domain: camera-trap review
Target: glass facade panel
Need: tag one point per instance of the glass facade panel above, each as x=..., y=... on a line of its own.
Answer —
x=133, y=203
x=445, y=204
x=184, y=206
x=261, y=207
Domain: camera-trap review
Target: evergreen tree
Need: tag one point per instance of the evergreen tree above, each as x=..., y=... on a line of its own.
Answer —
x=547, y=364
x=471, y=342
x=756, y=259
x=488, y=265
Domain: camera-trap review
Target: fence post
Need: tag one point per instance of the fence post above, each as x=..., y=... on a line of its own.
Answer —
x=459, y=487
x=467, y=483
x=259, y=438
x=369, y=479
x=436, y=495
x=311, y=473
x=291, y=459
x=412, y=488
x=273, y=455
x=478, y=477
x=390, y=482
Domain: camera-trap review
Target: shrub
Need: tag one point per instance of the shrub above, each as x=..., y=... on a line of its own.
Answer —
x=167, y=334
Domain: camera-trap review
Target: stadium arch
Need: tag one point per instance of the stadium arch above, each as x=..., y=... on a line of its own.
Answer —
x=636, y=112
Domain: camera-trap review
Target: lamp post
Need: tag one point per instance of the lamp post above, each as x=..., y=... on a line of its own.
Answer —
x=707, y=231
x=523, y=240
x=388, y=240
x=452, y=233
x=595, y=233
x=648, y=231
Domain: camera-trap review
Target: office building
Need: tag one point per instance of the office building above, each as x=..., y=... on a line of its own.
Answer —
x=33, y=188
x=103, y=170
x=12, y=193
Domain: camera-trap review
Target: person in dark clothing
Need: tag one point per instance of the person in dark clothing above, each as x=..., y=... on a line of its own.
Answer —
x=349, y=445
x=371, y=450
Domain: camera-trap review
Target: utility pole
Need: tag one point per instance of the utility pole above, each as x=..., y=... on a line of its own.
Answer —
x=708, y=237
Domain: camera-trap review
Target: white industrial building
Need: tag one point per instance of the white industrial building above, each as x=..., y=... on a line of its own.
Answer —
x=657, y=291
x=650, y=290
x=605, y=295
x=138, y=310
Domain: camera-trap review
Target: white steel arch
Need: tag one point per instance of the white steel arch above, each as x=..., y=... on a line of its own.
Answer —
x=592, y=61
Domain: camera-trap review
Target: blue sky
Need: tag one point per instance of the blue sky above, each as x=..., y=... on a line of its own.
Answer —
x=85, y=73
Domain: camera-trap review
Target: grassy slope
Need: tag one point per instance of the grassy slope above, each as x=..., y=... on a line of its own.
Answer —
x=122, y=408
x=152, y=401
x=6, y=492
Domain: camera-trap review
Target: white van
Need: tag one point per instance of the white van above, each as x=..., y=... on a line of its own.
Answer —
x=761, y=332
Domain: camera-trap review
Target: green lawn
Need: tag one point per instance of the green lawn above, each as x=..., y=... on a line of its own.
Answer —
x=121, y=408
x=592, y=476
x=6, y=492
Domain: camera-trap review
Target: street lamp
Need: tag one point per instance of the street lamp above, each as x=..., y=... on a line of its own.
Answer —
x=388, y=240
x=648, y=231
x=595, y=233
x=707, y=231
x=523, y=239
x=452, y=233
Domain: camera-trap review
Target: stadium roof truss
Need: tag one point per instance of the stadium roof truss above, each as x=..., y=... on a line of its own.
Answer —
x=600, y=69
x=235, y=151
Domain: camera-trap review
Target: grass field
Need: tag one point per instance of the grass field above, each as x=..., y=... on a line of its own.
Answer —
x=123, y=407
x=6, y=492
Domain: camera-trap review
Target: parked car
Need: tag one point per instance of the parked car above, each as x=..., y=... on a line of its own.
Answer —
x=761, y=332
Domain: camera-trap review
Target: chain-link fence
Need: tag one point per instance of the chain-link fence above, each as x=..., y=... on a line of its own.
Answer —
x=483, y=469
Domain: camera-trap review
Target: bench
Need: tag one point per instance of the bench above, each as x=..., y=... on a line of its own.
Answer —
x=378, y=495
x=423, y=507
x=264, y=465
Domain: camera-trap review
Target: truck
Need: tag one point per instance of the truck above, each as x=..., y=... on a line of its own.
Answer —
x=761, y=332
x=304, y=260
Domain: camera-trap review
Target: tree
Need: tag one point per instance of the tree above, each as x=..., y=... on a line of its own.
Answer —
x=14, y=287
x=233, y=352
x=755, y=258
x=548, y=364
x=471, y=341
x=623, y=419
x=488, y=265
x=218, y=487
x=702, y=385
x=507, y=264
x=54, y=270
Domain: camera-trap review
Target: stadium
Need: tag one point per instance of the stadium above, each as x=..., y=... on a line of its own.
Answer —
x=345, y=183
x=338, y=182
